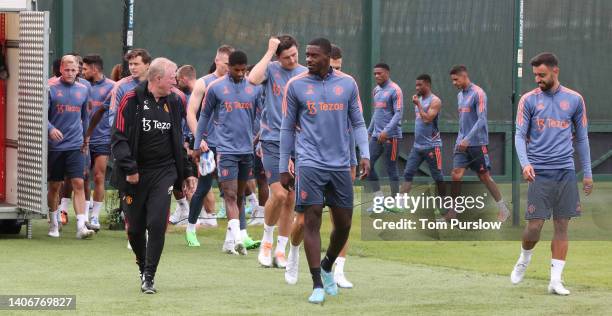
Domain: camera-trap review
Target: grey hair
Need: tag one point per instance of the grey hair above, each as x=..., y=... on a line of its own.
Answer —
x=158, y=67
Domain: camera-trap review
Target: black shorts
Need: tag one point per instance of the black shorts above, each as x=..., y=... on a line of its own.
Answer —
x=65, y=164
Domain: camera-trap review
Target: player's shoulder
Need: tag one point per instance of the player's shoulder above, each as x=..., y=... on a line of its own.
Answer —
x=84, y=82
x=478, y=90
x=178, y=92
x=81, y=85
x=301, y=69
x=527, y=97
x=395, y=87
x=125, y=81
x=130, y=95
x=572, y=93
x=344, y=76
x=53, y=81
x=274, y=65
x=217, y=82
x=208, y=78
x=435, y=98
x=109, y=82
x=298, y=78
x=346, y=80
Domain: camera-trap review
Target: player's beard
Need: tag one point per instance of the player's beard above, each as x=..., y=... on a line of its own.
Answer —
x=547, y=85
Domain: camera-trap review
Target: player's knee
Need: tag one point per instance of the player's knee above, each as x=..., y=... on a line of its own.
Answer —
x=560, y=226
x=312, y=217
x=342, y=227
x=279, y=195
x=299, y=220
x=77, y=185
x=99, y=177
x=54, y=187
x=534, y=227
x=230, y=195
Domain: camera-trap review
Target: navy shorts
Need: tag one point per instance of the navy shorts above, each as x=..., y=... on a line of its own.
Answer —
x=323, y=187
x=432, y=156
x=271, y=159
x=474, y=157
x=234, y=167
x=553, y=192
x=99, y=150
x=96, y=150
x=65, y=164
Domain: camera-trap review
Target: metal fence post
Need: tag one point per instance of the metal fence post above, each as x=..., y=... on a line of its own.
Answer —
x=516, y=95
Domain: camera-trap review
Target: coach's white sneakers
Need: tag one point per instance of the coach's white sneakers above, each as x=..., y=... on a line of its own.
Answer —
x=208, y=220
x=265, y=254
x=291, y=270
x=257, y=217
x=84, y=233
x=240, y=248
x=556, y=287
x=342, y=282
x=228, y=247
x=93, y=224
x=279, y=260
x=53, y=231
x=179, y=216
x=518, y=272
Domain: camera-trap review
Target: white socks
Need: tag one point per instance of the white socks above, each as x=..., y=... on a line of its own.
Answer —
x=556, y=266
x=97, y=206
x=81, y=219
x=268, y=236
x=234, y=227
x=294, y=251
x=191, y=228
x=281, y=244
x=339, y=265
x=53, y=218
x=228, y=234
x=525, y=256
x=556, y=269
x=243, y=234
x=86, y=210
x=64, y=205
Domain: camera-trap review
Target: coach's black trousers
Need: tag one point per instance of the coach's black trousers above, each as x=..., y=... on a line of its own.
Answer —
x=147, y=206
